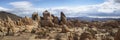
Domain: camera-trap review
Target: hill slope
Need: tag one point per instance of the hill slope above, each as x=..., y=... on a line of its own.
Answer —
x=4, y=14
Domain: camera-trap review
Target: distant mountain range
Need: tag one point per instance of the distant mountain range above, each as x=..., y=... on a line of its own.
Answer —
x=4, y=14
x=91, y=19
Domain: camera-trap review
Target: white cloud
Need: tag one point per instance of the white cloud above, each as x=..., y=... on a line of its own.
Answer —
x=110, y=6
x=25, y=8
x=107, y=7
x=21, y=4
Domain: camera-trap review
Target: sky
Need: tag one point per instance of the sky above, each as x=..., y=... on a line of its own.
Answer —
x=71, y=8
x=53, y=3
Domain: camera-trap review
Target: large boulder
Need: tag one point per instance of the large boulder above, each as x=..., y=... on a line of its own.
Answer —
x=36, y=17
x=47, y=15
x=55, y=19
x=47, y=19
x=47, y=23
x=63, y=19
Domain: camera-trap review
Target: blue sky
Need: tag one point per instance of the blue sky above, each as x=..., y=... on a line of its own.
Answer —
x=71, y=8
x=53, y=3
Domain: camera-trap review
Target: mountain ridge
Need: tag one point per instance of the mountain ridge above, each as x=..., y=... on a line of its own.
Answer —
x=4, y=15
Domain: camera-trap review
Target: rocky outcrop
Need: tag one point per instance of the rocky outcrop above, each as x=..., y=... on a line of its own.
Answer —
x=47, y=15
x=63, y=19
x=47, y=23
x=55, y=19
x=36, y=17
x=47, y=19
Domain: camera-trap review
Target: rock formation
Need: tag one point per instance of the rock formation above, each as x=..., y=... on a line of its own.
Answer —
x=47, y=15
x=63, y=19
x=47, y=23
x=36, y=17
x=55, y=19
x=50, y=27
x=47, y=19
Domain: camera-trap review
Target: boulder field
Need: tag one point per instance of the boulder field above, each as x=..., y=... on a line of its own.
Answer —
x=50, y=27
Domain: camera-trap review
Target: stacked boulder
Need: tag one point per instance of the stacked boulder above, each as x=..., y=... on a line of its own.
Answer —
x=47, y=19
x=64, y=21
x=36, y=17
x=47, y=15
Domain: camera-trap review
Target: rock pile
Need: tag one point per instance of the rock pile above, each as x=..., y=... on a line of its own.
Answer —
x=27, y=24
